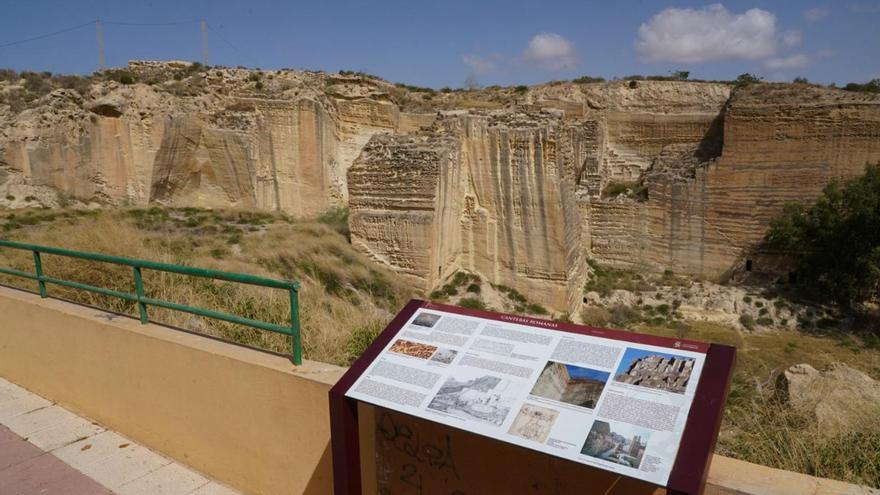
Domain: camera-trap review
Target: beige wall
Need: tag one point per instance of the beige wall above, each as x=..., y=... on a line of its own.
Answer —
x=244, y=417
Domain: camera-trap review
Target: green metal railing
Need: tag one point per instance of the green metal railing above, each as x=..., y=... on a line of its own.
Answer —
x=142, y=301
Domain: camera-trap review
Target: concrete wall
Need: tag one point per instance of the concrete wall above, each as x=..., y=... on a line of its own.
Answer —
x=244, y=417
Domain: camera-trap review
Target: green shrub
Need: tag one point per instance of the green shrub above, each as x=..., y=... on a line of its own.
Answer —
x=337, y=218
x=836, y=241
x=747, y=299
x=747, y=78
x=765, y=322
x=588, y=79
x=872, y=86
x=595, y=316
x=119, y=75
x=825, y=323
x=471, y=303
x=474, y=288
x=521, y=89
x=747, y=321
x=361, y=338
x=613, y=189
x=536, y=309
x=10, y=197
x=625, y=315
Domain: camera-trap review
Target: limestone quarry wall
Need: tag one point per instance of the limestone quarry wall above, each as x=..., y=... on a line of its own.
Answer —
x=525, y=205
x=224, y=148
x=779, y=145
x=398, y=207
x=491, y=196
x=519, y=194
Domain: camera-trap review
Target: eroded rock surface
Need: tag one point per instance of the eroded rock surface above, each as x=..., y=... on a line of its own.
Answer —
x=274, y=140
x=520, y=187
x=660, y=175
x=840, y=397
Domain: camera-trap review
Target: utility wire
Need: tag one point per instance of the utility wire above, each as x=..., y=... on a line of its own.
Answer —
x=35, y=38
x=92, y=22
x=176, y=23
x=223, y=39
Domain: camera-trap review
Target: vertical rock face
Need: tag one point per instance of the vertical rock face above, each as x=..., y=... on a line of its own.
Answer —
x=199, y=166
x=87, y=153
x=495, y=195
x=651, y=174
x=523, y=195
x=707, y=216
x=399, y=211
x=216, y=142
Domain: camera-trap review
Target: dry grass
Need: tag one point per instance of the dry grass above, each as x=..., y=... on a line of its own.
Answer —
x=342, y=293
x=760, y=427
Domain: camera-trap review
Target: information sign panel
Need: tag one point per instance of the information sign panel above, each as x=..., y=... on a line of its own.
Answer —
x=612, y=400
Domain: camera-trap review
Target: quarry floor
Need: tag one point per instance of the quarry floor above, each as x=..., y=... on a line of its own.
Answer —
x=46, y=449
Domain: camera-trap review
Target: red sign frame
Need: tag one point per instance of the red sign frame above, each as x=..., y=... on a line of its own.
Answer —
x=691, y=467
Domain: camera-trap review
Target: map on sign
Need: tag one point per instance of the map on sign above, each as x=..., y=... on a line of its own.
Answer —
x=612, y=400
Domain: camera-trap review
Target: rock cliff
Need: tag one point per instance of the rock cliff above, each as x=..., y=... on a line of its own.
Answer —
x=659, y=175
x=174, y=133
x=519, y=186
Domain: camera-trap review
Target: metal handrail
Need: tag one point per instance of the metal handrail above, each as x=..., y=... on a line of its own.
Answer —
x=143, y=301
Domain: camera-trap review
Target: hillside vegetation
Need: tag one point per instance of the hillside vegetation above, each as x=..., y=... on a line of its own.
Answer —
x=344, y=298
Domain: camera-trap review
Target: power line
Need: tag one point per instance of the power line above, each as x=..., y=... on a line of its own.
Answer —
x=223, y=39
x=99, y=34
x=151, y=24
x=48, y=35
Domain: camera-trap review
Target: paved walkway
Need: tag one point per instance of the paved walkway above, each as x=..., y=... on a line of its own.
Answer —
x=47, y=450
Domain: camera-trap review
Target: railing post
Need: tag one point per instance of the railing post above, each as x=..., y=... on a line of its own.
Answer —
x=296, y=336
x=139, y=290
x=38, y=269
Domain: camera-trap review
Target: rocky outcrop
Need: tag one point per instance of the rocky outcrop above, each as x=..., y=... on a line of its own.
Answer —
x=781, y=143
x=658, y=175
x=274, y=140
x=841, y=398
x=519, y=187
x=492, y=194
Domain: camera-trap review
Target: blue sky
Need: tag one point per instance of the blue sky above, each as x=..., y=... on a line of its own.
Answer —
x=579, y=373
x=442, y=43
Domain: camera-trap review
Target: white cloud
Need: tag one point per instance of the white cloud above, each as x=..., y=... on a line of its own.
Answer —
x=796, y=61
x=865, y=8
x=551, y=51
x=478, y=64
x=815, y=14
x=707, y=34
x=791, y=38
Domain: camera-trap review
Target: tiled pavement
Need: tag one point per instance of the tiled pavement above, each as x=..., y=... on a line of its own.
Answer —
x=47, y=450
